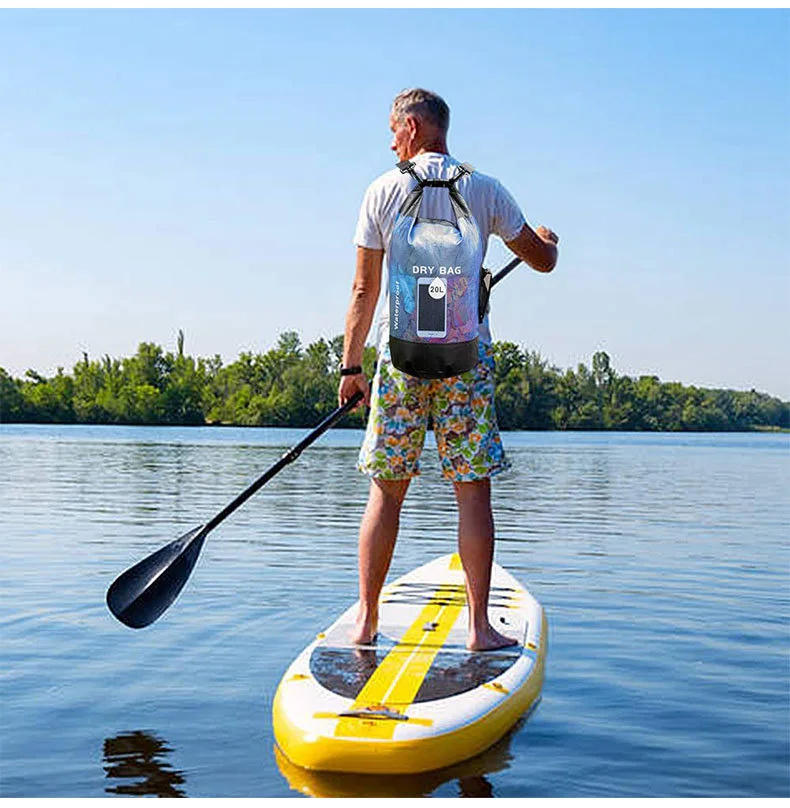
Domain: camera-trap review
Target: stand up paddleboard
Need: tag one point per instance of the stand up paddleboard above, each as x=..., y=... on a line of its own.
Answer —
x=417, y=700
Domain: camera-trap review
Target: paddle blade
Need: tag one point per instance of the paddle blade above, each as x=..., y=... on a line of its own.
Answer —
x=140, y=595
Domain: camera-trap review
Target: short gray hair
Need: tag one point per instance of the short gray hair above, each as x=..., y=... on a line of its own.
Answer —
x=423, y=104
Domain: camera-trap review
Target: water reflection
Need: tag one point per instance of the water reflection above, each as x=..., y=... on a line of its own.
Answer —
x=471, y=776
x=139, y=758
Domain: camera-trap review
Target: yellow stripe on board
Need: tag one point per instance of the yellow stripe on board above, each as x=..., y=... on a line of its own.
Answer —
x=395, y=682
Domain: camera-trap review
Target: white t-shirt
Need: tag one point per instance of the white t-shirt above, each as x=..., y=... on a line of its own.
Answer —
x=493, y=207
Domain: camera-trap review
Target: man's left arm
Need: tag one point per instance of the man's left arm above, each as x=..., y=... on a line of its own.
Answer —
x=537, y=248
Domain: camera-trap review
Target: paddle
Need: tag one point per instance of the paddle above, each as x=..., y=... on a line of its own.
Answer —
x=141, y=594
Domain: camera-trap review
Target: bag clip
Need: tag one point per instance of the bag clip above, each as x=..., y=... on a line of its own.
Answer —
x=485, y=292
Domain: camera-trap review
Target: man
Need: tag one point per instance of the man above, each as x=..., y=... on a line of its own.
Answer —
x=461, y=407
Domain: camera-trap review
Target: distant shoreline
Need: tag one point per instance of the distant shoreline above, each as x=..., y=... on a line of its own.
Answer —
x=756, y=430
x=295, y=386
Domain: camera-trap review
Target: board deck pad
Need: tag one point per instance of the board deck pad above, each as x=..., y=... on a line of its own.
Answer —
x=345, y=669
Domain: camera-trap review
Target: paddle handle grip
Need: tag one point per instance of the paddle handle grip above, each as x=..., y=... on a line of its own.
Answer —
x=287, y=458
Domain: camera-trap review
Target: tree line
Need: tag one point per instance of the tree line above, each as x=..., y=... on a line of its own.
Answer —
x=293, y=385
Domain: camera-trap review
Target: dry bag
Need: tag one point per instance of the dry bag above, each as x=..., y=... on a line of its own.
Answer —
x=437, y=292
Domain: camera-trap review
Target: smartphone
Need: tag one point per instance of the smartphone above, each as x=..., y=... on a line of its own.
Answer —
x=431, y=307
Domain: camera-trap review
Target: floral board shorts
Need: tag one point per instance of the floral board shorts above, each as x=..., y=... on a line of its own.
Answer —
x=463, y=415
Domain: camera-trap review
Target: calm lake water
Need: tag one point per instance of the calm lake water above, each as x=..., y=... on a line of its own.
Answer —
x=662, y=561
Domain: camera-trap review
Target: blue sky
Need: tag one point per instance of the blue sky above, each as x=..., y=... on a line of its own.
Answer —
x=202, y=170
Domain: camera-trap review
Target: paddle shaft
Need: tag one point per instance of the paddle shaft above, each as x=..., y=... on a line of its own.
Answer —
x=504, y=272
x=287, y=458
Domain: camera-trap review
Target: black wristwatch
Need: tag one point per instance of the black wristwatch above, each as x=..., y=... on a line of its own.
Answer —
x=354, y=370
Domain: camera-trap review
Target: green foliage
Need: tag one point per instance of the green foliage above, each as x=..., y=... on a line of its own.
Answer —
x=48, y=400
x=293, y=385
x=13, y=407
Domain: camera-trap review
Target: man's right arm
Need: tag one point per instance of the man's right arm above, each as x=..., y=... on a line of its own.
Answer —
x=536, y=248
x=364, y=297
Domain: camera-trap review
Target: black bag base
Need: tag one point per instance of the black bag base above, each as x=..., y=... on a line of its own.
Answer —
x=428, y=360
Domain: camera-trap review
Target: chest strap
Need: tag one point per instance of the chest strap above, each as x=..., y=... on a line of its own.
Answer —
x=407, y=167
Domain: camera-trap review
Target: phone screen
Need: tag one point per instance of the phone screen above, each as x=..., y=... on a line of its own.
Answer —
x=431, y=312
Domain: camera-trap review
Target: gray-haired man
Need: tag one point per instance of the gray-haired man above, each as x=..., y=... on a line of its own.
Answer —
x=461, y=407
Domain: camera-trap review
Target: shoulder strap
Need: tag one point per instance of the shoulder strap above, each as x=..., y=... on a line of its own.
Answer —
x=411, y=205
x=407, y=167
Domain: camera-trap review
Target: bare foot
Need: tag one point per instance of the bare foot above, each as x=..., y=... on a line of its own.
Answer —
x=365, y=630
x=489, y=640
x=363, y=637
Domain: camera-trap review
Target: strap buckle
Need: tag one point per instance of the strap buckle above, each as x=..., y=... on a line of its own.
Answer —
x=463, y=168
